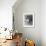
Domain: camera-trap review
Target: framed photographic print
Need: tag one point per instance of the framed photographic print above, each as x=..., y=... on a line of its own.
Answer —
x=28, y=19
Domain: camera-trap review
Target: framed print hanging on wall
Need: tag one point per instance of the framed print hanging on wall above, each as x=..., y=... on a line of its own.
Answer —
x=28, y=19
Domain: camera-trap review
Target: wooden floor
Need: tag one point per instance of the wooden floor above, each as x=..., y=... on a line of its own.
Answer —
x=9, y=43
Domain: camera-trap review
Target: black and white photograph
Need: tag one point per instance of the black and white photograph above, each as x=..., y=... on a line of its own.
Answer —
x=28, y=20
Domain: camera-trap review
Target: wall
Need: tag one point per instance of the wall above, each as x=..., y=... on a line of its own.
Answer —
x=6, y=13
x=34, y=6
x=43, y=22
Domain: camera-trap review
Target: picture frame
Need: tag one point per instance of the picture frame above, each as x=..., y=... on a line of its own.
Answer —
x=28, y=19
